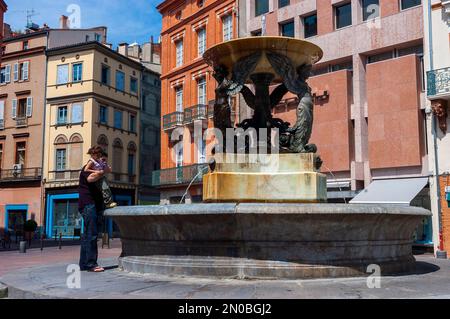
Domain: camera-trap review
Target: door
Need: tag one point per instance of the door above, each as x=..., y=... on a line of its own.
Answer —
x=16, y=220
x=65, y=217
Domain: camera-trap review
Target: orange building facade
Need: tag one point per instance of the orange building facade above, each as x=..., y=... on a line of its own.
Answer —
x=187, y=90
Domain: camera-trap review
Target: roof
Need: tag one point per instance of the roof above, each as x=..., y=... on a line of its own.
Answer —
x=96, y=46
x=25, y=35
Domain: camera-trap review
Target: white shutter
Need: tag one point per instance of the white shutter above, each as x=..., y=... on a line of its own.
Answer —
x=16, y=71
x=77, y=113
x=7, y=74
x=25, y=70
x=14, y=109
x=29, y=106
x=2, y=110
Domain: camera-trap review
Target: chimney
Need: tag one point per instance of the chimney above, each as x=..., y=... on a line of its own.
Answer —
x=64, y=22
x=7, y=32
x=123, y=49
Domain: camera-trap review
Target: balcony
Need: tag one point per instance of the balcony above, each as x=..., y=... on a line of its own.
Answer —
x=123, y=178
x=182, y=175
x=64, y=176
x=195, y=113
x=21, y=122
x=172, y=120
x=438, y=83
x=24, y=174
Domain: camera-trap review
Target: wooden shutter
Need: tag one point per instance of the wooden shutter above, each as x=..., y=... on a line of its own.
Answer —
x=14, y=109
x=25, y=70
x=16, y=71
x=2, y=110
x=29, y=106
x=7, y=74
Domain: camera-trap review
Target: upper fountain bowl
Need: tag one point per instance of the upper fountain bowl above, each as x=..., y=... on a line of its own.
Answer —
x=228, y=53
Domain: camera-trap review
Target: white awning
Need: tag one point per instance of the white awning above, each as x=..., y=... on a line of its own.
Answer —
x=391, y=191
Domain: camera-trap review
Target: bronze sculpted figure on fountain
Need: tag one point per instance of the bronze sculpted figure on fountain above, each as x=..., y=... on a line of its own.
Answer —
x=292, y=139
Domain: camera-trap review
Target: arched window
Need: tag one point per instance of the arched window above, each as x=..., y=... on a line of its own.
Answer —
x=117, y=158
x=60, y=153
x=102, y=141
x=132, y=149
x=76, y=152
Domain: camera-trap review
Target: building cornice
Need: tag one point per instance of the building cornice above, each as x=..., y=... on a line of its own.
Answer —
x=23, y=53
x=94, y=45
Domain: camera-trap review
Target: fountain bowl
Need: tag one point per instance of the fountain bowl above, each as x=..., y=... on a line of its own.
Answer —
x=228, y=53
x=267, y=241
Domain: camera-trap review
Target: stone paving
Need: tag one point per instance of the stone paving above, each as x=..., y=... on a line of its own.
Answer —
x=430, y=280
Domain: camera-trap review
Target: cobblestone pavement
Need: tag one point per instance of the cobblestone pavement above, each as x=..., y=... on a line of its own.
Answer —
x=430, y=280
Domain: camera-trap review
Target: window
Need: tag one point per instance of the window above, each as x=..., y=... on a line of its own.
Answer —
x=20, y=153
x=103, y=114
x=61, y=159
x=256, y=33
x=371, y=9
x=118, y=119
x=343, y=15
x=132, y=123
x=77, y=72
x=133, y=85
x=62, y=115
x=106, y=70
x=1, y=155
x=77, y=113
x=201, y=91
x=287, y=29
x=62, y=74
x=179, y=99
x=380, y=57
x=227, y=27
x=201, y=36
x=117, y=158
x=22, y=108
x=120, y=81
x=23, y=71
x=179, y=53
x=98, y=37
x=5, y=74
x=283, y=3
x=261, y=7
x=405, y=4
x=25, y=45
x=310, y=25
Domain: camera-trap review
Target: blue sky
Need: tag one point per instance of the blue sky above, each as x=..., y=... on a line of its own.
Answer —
x=127, y=21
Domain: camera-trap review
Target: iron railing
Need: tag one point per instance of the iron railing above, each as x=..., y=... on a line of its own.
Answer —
x=172, y=120
x=10, y=175
x=179, y=175
x=122, y=178
x=64, y=175
x=438, y=82
x=21, y=121
x=195, y=113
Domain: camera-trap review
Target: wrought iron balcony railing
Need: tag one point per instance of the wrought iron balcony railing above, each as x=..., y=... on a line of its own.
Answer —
x=195, y=113
x=172, y=120
x=21, y=121
x=211, y=108
x=28, y=174
x=122, y=178
x=64, y=175
x=438, y=82
x=179, y=175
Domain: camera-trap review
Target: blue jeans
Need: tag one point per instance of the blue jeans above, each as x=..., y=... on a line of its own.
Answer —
x=89, y=252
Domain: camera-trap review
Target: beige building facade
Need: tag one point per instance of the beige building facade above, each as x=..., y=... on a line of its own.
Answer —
x=92, y=99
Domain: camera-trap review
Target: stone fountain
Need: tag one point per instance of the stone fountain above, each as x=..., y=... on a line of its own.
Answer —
x=264, y=213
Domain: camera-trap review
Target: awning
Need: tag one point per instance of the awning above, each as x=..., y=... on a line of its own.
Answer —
x=391, y=191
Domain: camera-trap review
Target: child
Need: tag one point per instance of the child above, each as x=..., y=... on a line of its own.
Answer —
x=98, y=162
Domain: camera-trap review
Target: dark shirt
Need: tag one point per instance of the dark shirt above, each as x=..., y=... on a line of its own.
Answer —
x=89, y=193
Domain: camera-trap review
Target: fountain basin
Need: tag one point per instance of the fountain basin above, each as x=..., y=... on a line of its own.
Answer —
x=247, y=240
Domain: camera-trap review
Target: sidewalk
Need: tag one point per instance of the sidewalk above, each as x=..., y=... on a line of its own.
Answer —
x=13, y=260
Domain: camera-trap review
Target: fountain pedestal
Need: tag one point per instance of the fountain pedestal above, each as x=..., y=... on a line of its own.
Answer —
x=275, y=178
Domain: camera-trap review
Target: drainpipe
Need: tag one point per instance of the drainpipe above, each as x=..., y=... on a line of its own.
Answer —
x=440, y=253
x=43, y=201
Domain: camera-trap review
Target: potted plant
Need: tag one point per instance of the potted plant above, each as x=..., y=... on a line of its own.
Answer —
x=29, y=228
